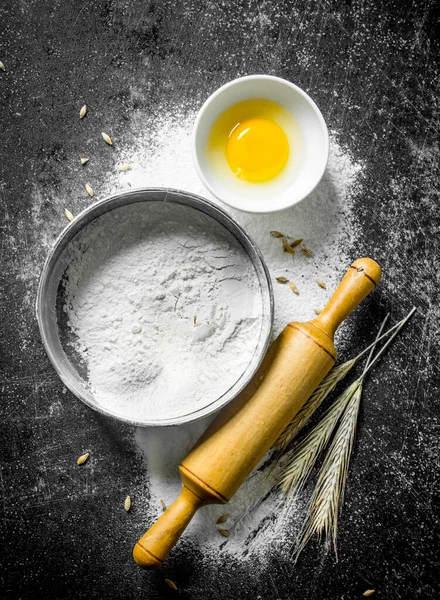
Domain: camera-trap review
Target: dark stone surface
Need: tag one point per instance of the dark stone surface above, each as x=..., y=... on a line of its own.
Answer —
x=373, y=69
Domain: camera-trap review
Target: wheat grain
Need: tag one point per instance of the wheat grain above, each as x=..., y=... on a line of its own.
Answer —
x=223, y=532
x=107, y=139
x=307, y=253
x=293, y=288
x=83, y=458
x=287, y=247
x=222, y=519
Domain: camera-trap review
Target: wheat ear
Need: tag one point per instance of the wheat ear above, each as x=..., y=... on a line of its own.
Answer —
x=328, y=495
x=330, y=487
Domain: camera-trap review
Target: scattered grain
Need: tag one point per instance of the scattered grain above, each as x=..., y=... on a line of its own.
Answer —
x=68, y=214
x=2, y=66
x=282, y=280
x=83, y=111
x=317, y=311
x=293, y=288
x=125, y=167
x=163, y=505
x=222, y=519
x=83, y=458
x=89, y=190
x=321, y=284
x=307, y=253
x=84, y=161
x=171, y=584
x=276, y=234
x=107, y=139
x=296, y=243
x=368, y=593
x=127, y=503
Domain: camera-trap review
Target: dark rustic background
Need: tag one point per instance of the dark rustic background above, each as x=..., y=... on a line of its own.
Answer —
x=373, y=69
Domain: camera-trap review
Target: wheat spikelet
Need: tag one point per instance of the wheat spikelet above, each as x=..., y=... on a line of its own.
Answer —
x=306, y=452
x=322, y=516
x=322, y=391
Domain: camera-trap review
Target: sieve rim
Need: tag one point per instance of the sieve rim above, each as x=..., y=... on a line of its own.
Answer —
x=50, y=277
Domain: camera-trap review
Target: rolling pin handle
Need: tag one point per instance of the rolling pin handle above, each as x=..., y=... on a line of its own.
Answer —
x=153, y=548
x=361, y=278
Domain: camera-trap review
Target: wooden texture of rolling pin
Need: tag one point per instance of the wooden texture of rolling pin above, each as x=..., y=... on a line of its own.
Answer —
x=243, y=431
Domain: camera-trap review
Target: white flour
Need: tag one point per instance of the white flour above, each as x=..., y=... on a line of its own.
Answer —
x=166, y=307
x=325, y=221
x=161, y=156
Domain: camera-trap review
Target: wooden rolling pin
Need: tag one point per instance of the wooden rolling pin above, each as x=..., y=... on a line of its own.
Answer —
x=243, y=431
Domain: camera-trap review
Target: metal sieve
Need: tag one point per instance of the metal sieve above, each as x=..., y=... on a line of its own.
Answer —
x=52, y=320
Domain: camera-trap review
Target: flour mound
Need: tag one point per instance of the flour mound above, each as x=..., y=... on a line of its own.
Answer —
x=166, y=308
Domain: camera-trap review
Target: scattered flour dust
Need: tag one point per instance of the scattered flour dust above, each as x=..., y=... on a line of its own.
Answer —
x=258, y=522
x=167, y=313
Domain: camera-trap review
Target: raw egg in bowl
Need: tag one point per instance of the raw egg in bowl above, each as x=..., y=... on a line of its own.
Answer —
x=260, y=144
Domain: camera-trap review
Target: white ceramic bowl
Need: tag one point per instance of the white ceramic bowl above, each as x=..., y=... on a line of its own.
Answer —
x=281, y=192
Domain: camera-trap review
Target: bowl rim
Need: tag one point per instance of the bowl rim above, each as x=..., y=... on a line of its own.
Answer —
x=168, y=195
x=240, y=81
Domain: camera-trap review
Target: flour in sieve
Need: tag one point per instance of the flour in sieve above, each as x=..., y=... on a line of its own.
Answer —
x=166, y=308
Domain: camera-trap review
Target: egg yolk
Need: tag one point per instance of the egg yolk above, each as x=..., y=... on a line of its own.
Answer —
x=257, y=149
